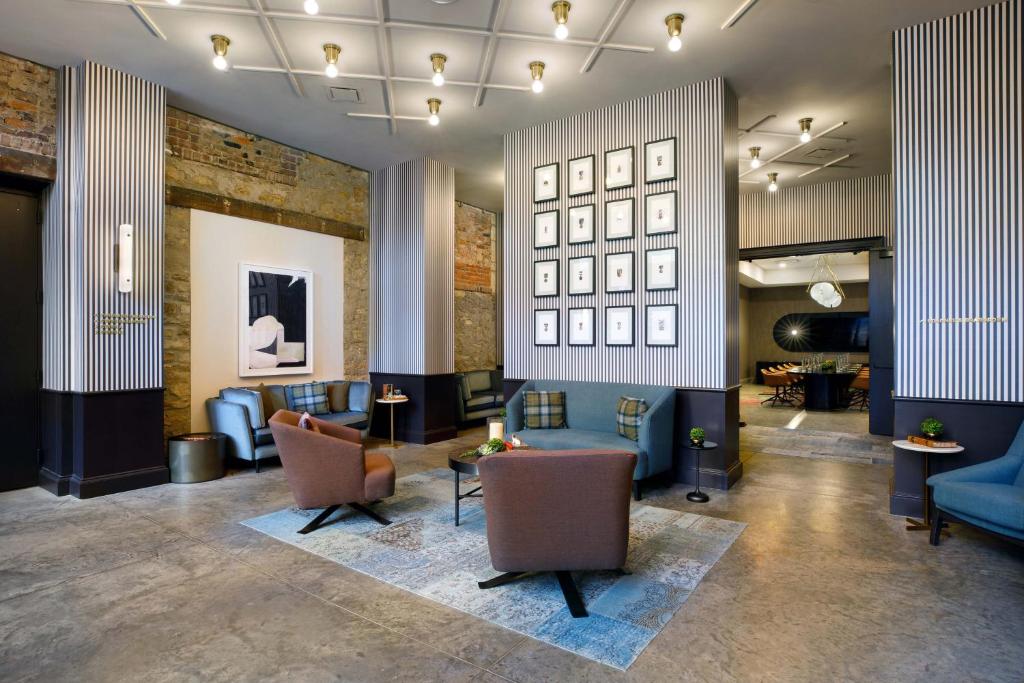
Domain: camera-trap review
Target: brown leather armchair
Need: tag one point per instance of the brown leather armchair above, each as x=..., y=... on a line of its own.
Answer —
x=557, y=511
x=330, y=469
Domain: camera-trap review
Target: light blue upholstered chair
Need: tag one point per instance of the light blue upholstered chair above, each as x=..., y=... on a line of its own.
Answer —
x=989, y=495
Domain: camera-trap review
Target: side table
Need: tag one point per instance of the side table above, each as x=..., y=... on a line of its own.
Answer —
x=196, y=457
x=696, y=495
x=926, y=451
x=392, y=402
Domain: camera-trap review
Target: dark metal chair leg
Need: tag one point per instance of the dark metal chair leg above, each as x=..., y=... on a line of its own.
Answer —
x=319, y=519
x=257, y=466
x=369, y=513
x=936, y=531
x=572, y=595
x=500, y=580
x=637, y=495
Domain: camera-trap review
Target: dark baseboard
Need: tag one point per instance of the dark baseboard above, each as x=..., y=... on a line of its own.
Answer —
x=906, y=505
x=54, y=483
x=710, y=478
x=92, y=487
x=426, y=437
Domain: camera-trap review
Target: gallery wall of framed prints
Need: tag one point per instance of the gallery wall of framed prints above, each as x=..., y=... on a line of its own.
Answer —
x=608, y=194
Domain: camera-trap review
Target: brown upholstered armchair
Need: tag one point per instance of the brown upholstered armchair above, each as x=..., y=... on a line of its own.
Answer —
x=330, y=469
x=557, y=511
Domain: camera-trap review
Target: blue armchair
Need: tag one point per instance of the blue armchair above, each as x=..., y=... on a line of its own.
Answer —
x=989, y=495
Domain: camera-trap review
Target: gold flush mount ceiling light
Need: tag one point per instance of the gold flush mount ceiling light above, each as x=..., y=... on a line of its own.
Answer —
x=674, y=24
x=561, y=8
x=755, y=157
x=437, y=61
x=805, y=129
x=773, y=182
x=220, y=51
x=434, y=106
x=537, y=73
x=331, y=53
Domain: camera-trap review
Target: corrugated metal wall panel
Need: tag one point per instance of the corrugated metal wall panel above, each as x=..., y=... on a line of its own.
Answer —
x=957, y=141
x=702, y=117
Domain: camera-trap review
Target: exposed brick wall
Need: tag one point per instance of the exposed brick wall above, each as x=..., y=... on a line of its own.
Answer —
x=28, y=106
x=475, y=302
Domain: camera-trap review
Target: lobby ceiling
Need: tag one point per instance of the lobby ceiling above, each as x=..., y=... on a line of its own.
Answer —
x=786, y=59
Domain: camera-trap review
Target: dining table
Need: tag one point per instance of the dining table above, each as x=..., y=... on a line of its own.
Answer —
x=826, y=389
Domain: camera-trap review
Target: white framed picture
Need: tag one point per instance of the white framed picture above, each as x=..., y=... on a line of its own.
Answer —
x=618, y=168
x=581, y=224
x=545, y=327
x=661, y=325
x=661, y=269
x=581, y=327
x=618, y=326
x=581, y=275
x=660, y=213
x=660, y=160
x=618, y=219
x=618, y=270
x=545, y=229
x=545, y=278
x=581, y=176
x=275, y=321
x=545, y=183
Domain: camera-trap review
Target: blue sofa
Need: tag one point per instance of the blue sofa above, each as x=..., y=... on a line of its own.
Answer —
x=989, y=495
x=590, y=418
x=240, y=413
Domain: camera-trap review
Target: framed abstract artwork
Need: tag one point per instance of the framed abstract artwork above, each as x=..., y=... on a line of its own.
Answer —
x=545, y=183
x=660, y=160
x=581, y=224
x=618, y=326
x=661, y=325
x=581, y=275
x=618, y=168
x=661, y=269
x=581, y=327
x=545, y=327
x=581, y=176
x=618, y=219
x=660, y=213
x=545, y=278
x=275, y=311
x=618, y=269
x=545, y=229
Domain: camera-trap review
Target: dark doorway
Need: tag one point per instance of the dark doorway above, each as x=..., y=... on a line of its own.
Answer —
x=21, y=342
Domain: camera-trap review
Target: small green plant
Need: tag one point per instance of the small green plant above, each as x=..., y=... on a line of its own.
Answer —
x=931, y=427
x=828, y=366
x=697, y=435
x=490, y=448
x=502, y=413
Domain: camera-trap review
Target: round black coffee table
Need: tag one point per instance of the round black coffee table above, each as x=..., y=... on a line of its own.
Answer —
x=464, y=465
x=696, y=495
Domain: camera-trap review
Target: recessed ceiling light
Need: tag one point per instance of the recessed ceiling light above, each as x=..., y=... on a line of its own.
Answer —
x=537, y=73
x=561, y=10
x=805, y=130
x=220, y=51
x=674, y=24
x=437, y=62
x=311, y=7
x=174, y=2
x=434, y=106
x=782, y=264
x=331, y=53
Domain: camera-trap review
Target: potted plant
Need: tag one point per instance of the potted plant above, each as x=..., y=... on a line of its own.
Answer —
x=932, y=428
x=697, y=436
x=828, y=366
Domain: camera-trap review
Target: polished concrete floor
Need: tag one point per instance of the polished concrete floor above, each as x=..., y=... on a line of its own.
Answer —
x=752, y=411
x=164, y=584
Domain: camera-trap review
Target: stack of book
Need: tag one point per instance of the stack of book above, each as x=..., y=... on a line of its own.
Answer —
x=931, y=443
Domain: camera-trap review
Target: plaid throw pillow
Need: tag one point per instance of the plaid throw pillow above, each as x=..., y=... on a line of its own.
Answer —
x=544, y=409
x=310, y=398
x=629, y=413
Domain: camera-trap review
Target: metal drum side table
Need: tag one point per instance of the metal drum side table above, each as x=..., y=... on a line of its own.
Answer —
x=196, y=457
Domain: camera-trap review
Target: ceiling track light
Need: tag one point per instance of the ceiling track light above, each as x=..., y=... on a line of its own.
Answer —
x=674, y=24
x=773, y=182
x=755, y=157
x=312, y=7
x=537, y=73
x=220, y=51
x=437, y=62
x=434, y=105
x=331, y=53
x=561, y=8
x=805, y=129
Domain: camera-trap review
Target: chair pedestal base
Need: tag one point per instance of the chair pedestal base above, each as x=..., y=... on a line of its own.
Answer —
x=330, y=510
x=569, y=590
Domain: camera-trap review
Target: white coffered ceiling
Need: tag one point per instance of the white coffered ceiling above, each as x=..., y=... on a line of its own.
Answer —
x=786, y=59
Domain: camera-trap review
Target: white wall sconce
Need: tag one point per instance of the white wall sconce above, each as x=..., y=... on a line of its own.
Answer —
x=124, y=258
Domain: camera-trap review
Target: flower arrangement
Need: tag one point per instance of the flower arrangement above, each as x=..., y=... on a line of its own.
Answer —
x=490, y=448
x=697, y=436
x=932, y=428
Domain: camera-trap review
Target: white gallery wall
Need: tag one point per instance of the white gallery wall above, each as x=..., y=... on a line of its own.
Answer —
x=218, y=245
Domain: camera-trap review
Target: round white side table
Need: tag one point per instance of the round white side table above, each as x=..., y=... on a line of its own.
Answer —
x=904, y=445
x=392, y=402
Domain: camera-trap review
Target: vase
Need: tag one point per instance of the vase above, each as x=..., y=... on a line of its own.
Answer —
x=495, y=428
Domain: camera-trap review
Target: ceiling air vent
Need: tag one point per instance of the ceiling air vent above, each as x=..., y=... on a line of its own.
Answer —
x=820, y=153
x=337, y=94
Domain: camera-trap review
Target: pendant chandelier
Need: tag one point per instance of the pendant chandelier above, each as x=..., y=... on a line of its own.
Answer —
x=824, y=286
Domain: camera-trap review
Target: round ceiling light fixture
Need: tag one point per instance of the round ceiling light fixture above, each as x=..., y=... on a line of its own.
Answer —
x=805, y=129
x=561, y=8
x=437, y=62
x=220, y=51
x=674, y=24
x=755, y=157
x=537, y=73
x=773, y=182
x=174, y=2
x=312, y=7
x=434, y=106
x=331, y=53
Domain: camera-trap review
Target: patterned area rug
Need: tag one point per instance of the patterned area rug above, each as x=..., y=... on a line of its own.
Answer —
x=424, y=553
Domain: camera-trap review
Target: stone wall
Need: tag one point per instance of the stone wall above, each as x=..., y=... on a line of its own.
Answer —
x=28, y=117
x=210, y=157
x=475, y=302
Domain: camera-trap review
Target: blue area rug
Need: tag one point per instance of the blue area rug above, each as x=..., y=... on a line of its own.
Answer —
x=424, y=553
